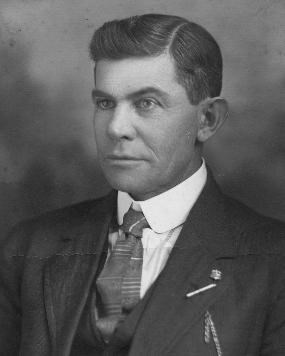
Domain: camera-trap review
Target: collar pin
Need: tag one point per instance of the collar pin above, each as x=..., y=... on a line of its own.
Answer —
x=216, y=275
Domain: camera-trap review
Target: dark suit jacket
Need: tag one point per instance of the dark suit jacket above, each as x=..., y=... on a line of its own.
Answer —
x=48, y=265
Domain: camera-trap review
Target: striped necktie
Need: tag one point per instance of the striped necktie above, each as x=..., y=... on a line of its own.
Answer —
x=120, y=280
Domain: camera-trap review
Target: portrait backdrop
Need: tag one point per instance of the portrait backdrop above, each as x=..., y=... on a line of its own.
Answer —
x=47, y=150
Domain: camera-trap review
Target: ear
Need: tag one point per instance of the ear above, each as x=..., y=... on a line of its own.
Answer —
x=212, y=114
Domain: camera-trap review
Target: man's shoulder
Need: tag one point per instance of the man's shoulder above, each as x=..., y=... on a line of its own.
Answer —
x=68, y=215
x=259, y=234
x=43, y=233
x=234, y=224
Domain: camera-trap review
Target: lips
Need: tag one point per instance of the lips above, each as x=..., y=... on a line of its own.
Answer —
x=122, y=161
x=122, y=157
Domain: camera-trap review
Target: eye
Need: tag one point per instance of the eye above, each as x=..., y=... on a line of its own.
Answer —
x=146, y=104
x=104, y=103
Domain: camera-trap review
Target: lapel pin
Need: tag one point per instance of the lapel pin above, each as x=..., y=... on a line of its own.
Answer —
x=200, y=290
x=216, y=275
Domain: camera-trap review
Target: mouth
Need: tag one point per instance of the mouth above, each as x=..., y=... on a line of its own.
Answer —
x=122, y=159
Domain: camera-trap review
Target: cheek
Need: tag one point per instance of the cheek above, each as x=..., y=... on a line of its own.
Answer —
x=174, y=151
x=100, y=129
x=170, y=142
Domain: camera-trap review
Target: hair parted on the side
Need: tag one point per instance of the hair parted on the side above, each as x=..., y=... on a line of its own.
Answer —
x=196, y=54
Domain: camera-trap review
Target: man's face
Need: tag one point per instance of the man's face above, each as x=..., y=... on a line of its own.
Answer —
x=145, y=126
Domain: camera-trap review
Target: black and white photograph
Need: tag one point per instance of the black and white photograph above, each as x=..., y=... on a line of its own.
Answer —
x=142, y=178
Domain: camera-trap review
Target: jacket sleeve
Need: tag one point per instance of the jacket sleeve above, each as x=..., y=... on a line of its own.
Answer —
x=273, y=341
x=10, y=287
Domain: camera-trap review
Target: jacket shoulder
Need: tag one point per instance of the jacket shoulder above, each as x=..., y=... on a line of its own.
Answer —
x=43, y=233
x=259, y=234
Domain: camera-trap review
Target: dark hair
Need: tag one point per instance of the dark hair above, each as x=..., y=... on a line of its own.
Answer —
x=196, y=54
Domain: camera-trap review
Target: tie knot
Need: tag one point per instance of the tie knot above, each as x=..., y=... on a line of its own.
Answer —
x=134, y=222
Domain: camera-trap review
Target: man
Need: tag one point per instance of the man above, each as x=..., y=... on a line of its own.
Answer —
x=165, y=264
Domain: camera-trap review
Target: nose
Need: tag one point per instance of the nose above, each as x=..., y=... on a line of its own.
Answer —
x=121, y=124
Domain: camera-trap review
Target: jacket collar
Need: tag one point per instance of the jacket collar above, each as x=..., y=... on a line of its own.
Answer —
x=212, y=222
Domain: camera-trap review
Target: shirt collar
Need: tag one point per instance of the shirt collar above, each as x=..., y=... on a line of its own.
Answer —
x=169, y=209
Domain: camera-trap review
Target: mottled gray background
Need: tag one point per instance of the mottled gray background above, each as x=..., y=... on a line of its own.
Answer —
x=47, y=153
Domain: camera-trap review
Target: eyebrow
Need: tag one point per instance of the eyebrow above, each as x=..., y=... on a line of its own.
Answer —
x=143, y=91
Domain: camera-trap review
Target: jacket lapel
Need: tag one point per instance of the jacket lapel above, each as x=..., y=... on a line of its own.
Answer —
x=69, y=274
x=201, y=247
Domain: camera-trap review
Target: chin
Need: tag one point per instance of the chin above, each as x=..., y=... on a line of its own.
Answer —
x=125, y=183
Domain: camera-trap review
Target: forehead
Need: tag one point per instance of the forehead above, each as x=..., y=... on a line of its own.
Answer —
x=131, y=74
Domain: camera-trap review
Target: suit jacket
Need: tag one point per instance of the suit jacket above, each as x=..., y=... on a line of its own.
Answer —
x=48, y=265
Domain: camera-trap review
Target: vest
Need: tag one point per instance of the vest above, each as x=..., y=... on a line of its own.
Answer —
x=88, y=341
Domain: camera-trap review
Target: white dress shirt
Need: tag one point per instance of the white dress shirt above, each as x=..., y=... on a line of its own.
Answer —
x=165, y=214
